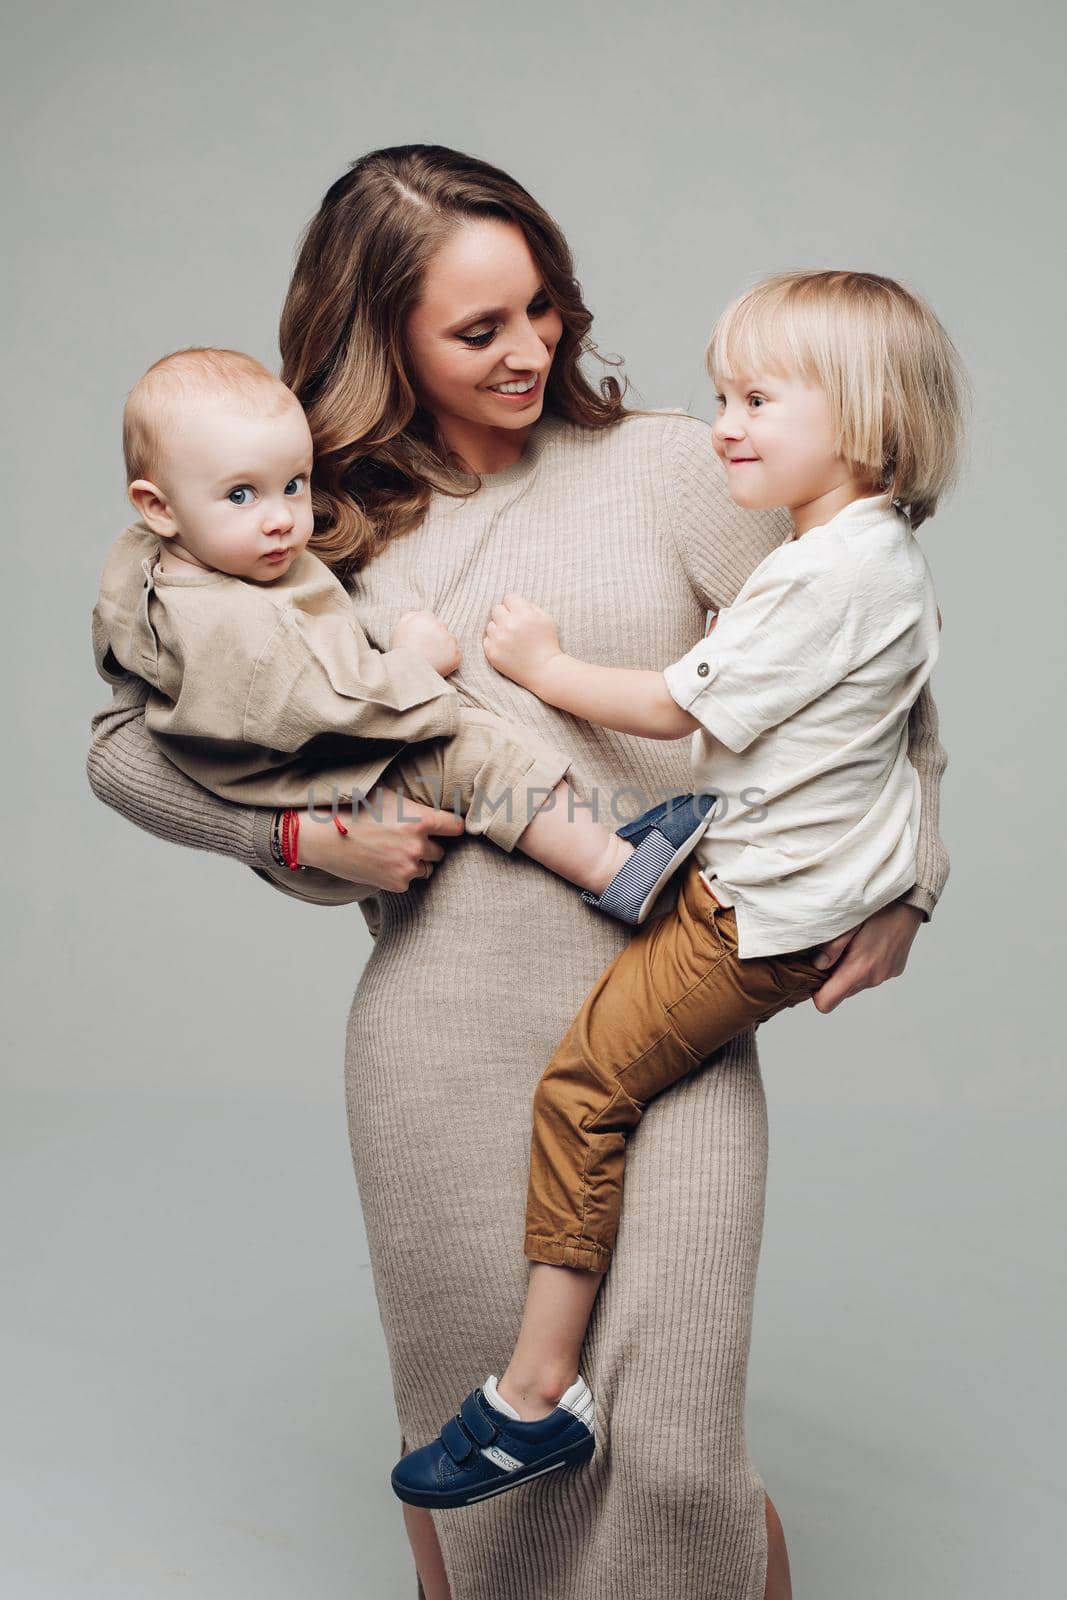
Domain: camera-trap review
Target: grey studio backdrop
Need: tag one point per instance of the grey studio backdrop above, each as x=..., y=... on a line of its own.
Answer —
x=198, y=1398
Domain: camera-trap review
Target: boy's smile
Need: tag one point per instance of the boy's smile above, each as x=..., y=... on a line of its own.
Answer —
x=775, y=435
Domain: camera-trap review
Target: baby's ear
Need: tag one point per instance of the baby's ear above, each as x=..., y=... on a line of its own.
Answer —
x=150, y=504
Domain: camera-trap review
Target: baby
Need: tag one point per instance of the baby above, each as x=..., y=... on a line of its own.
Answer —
x=840, y=398
x=264, y=689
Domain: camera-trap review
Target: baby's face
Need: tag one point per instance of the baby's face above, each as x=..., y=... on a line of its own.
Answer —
x=239, y=488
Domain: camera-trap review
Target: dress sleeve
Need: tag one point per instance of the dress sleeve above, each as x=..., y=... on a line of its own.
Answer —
x=927, y=755
x=129, y=773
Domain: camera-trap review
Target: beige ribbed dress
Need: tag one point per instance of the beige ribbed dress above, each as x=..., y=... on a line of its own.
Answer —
x=626, y=537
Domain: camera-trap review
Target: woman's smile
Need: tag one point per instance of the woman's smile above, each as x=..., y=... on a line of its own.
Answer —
x=518, y=391
x=483, y=306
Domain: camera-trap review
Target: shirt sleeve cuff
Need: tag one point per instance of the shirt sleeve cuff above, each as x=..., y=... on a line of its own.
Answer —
x=689, y=682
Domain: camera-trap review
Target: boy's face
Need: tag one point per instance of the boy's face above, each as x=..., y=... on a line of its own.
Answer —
x=775, y=435
x=235, y=490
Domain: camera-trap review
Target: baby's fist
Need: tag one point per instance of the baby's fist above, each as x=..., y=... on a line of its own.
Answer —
x=422, y=632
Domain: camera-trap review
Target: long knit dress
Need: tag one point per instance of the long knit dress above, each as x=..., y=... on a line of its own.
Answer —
x=626, y=537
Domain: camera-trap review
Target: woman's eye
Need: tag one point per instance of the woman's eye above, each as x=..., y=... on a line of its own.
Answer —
x=295, y=485
x=236, y=496
x=478, y=340
x=540, y=307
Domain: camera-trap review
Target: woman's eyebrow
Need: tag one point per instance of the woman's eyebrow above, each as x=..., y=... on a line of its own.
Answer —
x=491, y=314
x=477, y=316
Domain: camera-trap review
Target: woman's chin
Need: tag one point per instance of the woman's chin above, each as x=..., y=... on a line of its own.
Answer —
x=521, y=416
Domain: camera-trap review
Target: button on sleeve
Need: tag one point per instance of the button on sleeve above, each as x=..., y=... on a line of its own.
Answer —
x=777, y=648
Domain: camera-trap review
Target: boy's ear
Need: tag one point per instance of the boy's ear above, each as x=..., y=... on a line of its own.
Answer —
x=150, y=504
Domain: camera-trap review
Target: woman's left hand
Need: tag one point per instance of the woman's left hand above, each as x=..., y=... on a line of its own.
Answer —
x=520, y=640
x=865, y=957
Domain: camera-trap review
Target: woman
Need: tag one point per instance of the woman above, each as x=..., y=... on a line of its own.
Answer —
x=432, y=332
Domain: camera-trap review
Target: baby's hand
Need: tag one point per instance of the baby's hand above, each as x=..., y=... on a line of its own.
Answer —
x=422, y=632
x=520, y=640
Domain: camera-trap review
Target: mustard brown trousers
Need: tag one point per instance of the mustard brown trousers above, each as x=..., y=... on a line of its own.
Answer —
x=678, y=992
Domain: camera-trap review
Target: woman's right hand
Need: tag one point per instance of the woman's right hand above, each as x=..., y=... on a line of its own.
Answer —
x=387, y=847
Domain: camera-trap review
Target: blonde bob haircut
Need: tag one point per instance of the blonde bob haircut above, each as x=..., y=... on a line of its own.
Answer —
x=186, y=378
x=890, y=372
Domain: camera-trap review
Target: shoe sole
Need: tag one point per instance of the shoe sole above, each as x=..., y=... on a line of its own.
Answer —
x=574, y=1455
x=681, y=854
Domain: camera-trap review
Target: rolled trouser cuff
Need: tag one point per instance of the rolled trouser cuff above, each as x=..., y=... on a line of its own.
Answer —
x=563, y=1253
x=496, y=774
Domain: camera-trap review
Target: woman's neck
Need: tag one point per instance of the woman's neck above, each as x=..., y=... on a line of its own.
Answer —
x=484, y=450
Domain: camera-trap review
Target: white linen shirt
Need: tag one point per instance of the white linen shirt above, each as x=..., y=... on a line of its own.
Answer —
x=803, y=689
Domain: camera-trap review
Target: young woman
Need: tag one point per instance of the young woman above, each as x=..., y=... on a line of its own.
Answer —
x=432, y=332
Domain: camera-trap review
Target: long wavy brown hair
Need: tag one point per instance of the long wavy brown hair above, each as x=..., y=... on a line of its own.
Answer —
x=378, y=453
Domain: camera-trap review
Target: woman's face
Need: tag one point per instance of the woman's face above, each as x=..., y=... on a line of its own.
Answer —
x=482, y=337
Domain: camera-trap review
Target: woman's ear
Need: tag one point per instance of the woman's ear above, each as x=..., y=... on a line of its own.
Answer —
x=150, y=504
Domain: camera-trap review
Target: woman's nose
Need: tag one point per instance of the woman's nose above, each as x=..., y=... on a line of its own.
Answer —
x=529, y=353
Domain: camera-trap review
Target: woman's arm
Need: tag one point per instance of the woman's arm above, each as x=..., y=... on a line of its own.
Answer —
x=129, y=773
x=878, y=948
x=927, y=755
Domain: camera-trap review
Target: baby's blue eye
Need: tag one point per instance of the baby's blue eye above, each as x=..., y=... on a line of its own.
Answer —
x=295, y=485
x=233, y=494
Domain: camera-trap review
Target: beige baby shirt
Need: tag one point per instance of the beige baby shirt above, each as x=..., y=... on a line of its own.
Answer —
x=258, y=689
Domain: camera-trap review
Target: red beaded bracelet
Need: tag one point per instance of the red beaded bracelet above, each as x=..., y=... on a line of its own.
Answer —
x=290, y=837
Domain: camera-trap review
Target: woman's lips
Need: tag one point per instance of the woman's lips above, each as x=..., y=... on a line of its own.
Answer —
x=518, y=399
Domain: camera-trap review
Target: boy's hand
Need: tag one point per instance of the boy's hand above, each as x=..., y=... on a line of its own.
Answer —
x=422, y=632
x=520, y=640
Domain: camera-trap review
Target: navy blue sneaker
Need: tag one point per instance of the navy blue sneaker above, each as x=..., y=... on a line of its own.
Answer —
x=662, y=838
x=482, y=1452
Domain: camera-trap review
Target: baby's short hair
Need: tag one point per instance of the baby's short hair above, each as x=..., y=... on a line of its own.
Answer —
x=892, y=375
x=183, y=378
